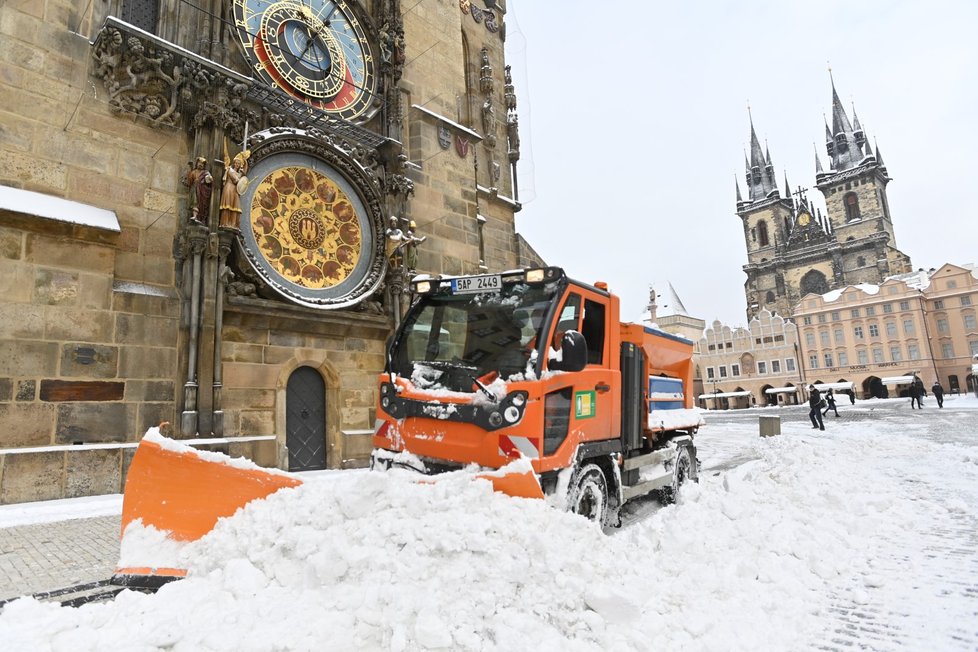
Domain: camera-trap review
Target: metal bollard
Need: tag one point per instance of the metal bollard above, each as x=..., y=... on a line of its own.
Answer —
x=769, y=426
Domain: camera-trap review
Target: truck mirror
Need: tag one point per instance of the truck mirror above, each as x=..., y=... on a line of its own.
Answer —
x=573, y=348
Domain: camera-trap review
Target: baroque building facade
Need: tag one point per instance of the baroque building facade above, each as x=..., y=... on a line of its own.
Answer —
x=792, y=249
x=209, y=210
x=922, y=324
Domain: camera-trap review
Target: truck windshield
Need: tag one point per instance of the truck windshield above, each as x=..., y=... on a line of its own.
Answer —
x=449, y=339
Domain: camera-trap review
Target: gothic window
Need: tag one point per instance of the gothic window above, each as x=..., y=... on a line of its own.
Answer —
x=470, y=87
x=770, y=296
x=787, y=225
x=814, y=282
x=762, y=233
x=860, y=262
x=851, y=202
x=141, y=13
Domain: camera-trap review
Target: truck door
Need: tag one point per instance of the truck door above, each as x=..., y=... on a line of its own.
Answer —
x=593, y=391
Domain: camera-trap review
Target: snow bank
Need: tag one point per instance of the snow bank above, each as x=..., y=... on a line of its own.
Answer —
x=750, y=559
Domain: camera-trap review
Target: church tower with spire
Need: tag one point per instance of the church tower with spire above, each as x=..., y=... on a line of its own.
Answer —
x=792, y=249
x=766, y=215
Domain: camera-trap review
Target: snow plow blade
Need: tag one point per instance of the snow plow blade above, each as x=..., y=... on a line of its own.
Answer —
x=517, y=484
x=183, y=492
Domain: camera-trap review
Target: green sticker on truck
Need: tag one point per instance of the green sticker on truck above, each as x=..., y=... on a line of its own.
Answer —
x=584, y=405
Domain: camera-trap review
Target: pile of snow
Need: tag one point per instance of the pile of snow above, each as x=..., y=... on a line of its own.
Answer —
x=751, y=558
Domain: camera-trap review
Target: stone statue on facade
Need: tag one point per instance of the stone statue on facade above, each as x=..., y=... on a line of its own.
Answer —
x=200, y=183
x=234, y=185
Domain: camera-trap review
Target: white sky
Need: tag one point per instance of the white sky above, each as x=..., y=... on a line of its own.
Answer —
x=633, y=120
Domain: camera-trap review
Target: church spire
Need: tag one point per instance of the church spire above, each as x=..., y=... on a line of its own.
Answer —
x=761, y=181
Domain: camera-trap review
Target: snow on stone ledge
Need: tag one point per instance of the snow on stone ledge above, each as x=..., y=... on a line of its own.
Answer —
x=55, y=208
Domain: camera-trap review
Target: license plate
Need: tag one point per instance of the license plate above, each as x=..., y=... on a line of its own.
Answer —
x=470, y=284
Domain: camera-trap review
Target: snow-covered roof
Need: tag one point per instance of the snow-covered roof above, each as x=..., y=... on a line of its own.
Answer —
x=49, y=207
x=835, y=386
x=781, y=390
x=725, y=394
x=868, y=288
x=898, y=380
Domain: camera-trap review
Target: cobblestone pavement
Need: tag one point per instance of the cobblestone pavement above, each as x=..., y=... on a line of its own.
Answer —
x=47, y=556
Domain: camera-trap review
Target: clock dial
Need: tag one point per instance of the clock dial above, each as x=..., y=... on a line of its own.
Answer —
x=314, y=50
x=306, y=230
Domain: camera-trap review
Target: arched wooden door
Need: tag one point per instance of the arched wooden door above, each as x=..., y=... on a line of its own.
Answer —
x=305, y=420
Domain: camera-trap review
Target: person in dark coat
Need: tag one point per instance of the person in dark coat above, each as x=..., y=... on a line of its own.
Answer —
x=938, y=393
x=915, y=396
x=852, y=396
x=815, y=403
x=830, y=403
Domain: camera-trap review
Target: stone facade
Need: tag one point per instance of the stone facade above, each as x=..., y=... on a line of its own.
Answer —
x=737, y=366
x=792, y=249
x=109, y=327
x=922, y=323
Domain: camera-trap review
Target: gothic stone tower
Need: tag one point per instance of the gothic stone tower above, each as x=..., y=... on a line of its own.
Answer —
x=792, y=250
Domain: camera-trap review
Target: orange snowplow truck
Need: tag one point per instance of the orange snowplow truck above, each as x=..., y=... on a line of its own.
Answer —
x=530, y=365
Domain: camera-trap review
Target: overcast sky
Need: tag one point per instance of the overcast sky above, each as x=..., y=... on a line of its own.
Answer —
x=634, y=122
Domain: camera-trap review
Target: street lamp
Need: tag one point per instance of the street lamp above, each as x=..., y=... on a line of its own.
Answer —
x=716, y=400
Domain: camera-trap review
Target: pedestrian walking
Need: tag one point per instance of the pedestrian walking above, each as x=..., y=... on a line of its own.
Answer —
x=915, y=396
x=830, y=403
x=938, y=393
x=815, y=403
x=852, y=396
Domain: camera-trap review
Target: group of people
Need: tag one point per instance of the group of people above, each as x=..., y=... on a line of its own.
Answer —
x=818, y=403
x=917, y=394
x=821, y=404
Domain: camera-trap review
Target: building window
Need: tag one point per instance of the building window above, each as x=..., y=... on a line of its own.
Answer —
x=891, y=329
x=753, y=234
x=973, y=345
x=770, y=297
x=723, y=371
x=904, y=305
x=939, y=304
x=887, y=308
x=858, y=332
x=775, y=366
x=710, y=373
x=947, y=350
x=851, y=202
x=870, y=311
x=843, y=359
x=908, y=328
x=912, y=351
x=877, y=356
x=735, y=370
x=807, y=320
x=821, y=318
x=860, y=261
x=141, y=13
x=862, y=356
x=813, y=361
x=828, y=361
x=969, y=322
x=762, y=367
x=855, y=313
x=836, y=316
x=823, y=338
x=966, y=300
x=874, y=330
x=789, y=363
x=952, y=284
x=762, y=233
x=840, y=337
x=810, y=340
x=895, y=354
x=942, y=325
x=813, y=282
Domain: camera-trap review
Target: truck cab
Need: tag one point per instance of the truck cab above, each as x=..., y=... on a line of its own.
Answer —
x=524, y=364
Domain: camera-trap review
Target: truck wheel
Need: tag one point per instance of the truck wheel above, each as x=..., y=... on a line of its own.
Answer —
x=681, y=471
x=589, y=494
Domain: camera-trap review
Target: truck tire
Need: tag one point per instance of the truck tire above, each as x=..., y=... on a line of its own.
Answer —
x=682, y=470
x=589, y=494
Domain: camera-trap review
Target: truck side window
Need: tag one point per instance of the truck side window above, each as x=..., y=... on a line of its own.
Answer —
x=593, y=331
x=570, y=313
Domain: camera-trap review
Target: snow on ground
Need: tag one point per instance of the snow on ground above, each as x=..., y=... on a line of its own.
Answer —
x=787, y=543
x=51, y=511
